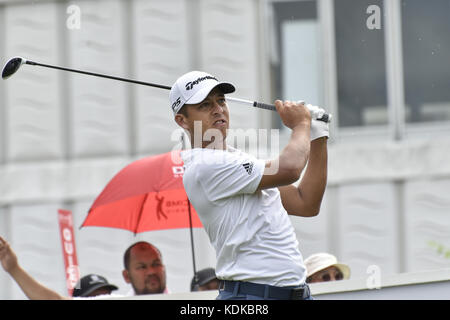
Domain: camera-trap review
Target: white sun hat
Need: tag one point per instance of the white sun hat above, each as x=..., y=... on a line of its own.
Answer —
x=320, y=261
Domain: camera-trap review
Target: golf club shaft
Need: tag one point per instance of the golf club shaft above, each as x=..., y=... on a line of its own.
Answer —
x=99, y=75
x=326, y=117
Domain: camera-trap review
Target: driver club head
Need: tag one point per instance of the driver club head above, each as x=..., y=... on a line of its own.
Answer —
x=12, y=66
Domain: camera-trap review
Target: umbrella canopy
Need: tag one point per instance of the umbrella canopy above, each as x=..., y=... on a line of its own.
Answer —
x=146, y=195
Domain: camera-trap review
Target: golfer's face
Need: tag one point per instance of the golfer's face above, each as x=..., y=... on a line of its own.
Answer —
x=147, y=273
x=213, y=114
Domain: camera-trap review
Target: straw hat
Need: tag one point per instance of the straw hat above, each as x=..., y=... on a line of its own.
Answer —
x=320, y=261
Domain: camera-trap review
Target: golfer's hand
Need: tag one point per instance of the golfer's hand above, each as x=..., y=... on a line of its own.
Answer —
x=319, y=129
x=293, y=114
x=8, y=258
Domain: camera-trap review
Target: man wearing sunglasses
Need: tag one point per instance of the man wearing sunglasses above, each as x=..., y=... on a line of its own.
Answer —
x=322, y=267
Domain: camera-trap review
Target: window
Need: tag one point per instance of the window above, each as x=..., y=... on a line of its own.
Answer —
x=298, y=72
x=361, y=65
x=361, y=60
x=426, y=63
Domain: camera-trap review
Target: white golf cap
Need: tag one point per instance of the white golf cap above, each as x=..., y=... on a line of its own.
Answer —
x=320, y=261
x=193, y=87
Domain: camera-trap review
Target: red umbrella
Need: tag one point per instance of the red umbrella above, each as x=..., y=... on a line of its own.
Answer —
x=146, y=195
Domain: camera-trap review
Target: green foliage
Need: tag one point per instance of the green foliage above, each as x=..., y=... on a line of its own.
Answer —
x=440, y=249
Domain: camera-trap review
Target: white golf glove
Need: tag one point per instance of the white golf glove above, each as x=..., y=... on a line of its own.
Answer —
x=318, y=128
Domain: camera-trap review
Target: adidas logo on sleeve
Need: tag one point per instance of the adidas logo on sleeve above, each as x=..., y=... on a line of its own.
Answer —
x=248, y=166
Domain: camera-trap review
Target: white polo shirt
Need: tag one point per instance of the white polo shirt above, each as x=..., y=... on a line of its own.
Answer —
x=250, y=230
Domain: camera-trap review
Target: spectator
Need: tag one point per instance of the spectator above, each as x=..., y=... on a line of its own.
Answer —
x=93, y=285
x=144, y=270
x=323, y=267
x=206, y=280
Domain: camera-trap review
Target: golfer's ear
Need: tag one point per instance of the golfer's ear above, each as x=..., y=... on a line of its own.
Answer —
x=125, y=276
x=180, y=119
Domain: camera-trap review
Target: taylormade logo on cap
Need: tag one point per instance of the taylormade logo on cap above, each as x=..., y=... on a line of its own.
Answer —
x=193, y=87
x=190, y=85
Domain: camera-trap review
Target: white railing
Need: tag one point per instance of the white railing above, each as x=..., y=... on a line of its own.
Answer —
x=434, y=285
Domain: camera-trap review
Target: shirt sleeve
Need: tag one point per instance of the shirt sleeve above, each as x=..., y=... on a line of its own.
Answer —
x=225, y=174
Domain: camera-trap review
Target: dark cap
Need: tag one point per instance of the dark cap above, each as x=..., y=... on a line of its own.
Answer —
x=87, y=284
x=203, y=277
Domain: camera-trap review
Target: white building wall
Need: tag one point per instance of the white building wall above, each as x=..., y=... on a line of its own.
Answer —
x=368, y=226
x=427, y=223
x=98, y=108
x=32, y=102
x=160, y=39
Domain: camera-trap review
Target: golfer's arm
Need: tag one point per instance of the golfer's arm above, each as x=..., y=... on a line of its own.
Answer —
x=286, y=169
x=305, y=200
x=32, y=288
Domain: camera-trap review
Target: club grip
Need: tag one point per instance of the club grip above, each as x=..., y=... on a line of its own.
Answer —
x=325, y=118
x=264, y=106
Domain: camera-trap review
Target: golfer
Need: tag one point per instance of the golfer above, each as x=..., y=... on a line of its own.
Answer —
x=244, y=202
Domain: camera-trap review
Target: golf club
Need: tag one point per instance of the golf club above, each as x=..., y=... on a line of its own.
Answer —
x=14, y=64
